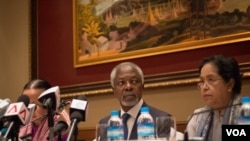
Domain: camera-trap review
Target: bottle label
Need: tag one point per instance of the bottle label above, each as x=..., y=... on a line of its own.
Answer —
x=145, y=130
x=115, y=132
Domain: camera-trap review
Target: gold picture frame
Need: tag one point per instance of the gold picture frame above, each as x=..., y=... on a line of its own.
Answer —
x=114, y=30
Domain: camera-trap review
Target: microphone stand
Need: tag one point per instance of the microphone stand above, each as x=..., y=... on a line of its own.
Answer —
x=76, y=133
x=13, y=130
x=51, y=124
x=8, y=130
x=50, y=114
x=72, y=129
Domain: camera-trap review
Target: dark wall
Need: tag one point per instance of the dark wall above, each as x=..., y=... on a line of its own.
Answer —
x=55, y=50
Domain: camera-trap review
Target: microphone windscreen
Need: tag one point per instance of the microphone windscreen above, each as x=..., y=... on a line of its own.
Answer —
x=25, y=99
x=76, y=115
x=60, y=126
x=50, y=98
x=79, y=108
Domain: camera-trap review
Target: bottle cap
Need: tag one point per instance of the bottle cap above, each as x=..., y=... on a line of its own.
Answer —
x=115, y=113
x=144, y=109
x=245, y=99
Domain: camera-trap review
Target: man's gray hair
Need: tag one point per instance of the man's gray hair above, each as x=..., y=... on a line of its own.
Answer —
x=125, y=65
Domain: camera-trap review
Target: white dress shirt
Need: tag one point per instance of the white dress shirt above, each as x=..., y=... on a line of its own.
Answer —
x=133, y=112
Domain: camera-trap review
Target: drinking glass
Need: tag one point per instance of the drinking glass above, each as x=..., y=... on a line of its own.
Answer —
x=101, y=132
x=165, y=128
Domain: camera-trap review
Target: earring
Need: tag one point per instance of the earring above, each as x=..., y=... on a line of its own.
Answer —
x=229, y=90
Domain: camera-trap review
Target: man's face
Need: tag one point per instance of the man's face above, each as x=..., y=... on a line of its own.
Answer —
x=128, y=87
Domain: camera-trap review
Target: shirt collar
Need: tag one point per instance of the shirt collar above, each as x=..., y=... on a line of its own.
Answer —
x=133, y=112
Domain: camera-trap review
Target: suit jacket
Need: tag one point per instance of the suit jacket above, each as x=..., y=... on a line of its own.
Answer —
x=152, y=110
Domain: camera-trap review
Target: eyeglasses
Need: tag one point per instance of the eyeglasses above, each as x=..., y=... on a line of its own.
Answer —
x=209, y=81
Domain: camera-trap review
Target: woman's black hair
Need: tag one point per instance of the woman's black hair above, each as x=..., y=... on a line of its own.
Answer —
x=37, y=84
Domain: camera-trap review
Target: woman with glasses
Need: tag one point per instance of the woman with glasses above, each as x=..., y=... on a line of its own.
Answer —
x=220, y=86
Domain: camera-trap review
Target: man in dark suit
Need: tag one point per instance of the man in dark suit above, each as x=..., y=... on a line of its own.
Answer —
x=127, y=81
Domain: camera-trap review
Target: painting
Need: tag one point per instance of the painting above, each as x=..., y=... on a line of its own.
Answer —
x=115, y=30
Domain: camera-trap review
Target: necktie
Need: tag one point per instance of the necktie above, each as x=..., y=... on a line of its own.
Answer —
x=125, y=118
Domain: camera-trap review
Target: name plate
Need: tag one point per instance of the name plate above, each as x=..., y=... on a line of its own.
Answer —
x=236, y=132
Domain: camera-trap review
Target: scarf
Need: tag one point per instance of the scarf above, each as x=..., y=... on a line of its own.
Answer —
x=40, y=133
x=229, y=117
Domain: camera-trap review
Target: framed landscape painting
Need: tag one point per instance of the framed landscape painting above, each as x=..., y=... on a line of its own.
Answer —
x=115, y=30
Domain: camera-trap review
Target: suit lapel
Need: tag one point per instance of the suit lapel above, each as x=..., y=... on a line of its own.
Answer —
x=133, y=134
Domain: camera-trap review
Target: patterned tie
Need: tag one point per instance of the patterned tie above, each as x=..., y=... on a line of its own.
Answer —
x=125, y=118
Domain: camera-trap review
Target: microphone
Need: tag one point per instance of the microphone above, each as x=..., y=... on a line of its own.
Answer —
x=23, y=135
x=63, y=122
x=77, y=113
x=17, y=114
x=186, y=137
x=79, y=105
x=50, y=98
x=60, y=127
x=3, y=107
x=31, y=108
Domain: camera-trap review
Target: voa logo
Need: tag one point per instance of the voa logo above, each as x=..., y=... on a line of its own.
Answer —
x=236, y=132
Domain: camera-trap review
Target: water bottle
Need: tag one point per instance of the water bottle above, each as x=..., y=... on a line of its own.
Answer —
x=244, y=117
x=145, y=125
x=115, y=127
